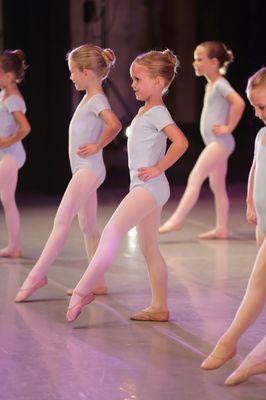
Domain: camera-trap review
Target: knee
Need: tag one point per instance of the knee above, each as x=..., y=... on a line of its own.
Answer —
x=61, y=222
x=110, y=234
x=218, y=189
x=194, y=180
x=149, y=250
x=8, y=201
x=89, y=229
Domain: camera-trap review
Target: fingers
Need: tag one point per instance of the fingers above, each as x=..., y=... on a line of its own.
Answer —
x=143, y=174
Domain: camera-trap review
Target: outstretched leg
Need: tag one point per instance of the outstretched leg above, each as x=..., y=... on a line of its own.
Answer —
x=8, y=183
x=135, y=206
x=218, y=186
x=249, y=309
x=253, y=364
x=205, y=164
x=148, y=240
x=81, y=186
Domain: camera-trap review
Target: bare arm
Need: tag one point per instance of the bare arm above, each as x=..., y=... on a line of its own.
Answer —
x=22, y=131
x=237, y=106
x=178, y=146
x=111, y=129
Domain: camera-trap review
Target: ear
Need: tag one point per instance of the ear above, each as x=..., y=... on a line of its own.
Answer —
x=10, y=76
x=87, y=72
x=159, y=81
x=215, y=62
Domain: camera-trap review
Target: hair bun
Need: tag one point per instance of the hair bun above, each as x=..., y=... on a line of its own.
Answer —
x=109, y=56
x=172, y=58
x=21, y=55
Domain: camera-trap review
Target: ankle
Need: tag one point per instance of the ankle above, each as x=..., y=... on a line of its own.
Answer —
x=228, y=342
x=157, y=308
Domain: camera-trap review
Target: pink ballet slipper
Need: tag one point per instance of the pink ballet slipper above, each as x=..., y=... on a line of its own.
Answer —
x=24, y=294
x=10, y=253
x=99, y=291
x=214, y=234
x=74, y=311
x=169, y=227
x=219, y=356
x=148, y=315
x=242, y=373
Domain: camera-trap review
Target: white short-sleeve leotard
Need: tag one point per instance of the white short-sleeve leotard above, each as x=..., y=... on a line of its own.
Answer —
x=215, y=112
x=8, y=125
x=146, y=147
x=86, y=127
x=260, y=180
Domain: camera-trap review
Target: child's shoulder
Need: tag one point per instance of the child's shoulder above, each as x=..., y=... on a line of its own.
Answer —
x=14, y=102
x=261, y=133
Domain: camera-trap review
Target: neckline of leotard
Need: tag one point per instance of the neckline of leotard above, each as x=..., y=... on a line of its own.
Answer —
x=88, y=101
x=145, y=112
x=11, y=95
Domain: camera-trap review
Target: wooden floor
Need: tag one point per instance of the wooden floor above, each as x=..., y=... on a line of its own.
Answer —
x=104, y=355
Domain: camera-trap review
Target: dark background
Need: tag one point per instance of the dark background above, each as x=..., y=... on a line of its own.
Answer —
x=42, y=29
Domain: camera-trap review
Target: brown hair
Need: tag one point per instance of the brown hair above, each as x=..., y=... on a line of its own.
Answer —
x=257, y=80
x=14, y=61
x=93, y=57
x=220, y=51
x=160, y=63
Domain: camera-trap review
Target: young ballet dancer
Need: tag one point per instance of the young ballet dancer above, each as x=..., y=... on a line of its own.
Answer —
x=221, y=112
x=14, y=126
x=152, y=74
x=255, y=296
x=92, y=127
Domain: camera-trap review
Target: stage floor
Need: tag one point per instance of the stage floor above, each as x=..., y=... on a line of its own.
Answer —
x=104, y=355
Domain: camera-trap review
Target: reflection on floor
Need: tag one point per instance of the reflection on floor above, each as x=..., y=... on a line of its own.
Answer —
x=104, y=355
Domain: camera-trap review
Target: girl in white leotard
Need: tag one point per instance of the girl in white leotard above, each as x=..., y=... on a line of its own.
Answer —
x=151, y=75
x=93, y=126
x=255, y=296
x=222, y=110
x=14, y=126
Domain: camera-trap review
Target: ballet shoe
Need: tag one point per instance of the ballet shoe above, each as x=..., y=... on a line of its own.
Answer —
x=10, y=254
x=167, y=227
x=241, y=374
x=23, y=294
x=214, y=362
x=146, y=315
x=99, y=291
x=213, y=234
x=74, y=311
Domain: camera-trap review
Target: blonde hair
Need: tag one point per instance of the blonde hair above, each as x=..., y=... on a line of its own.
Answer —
x=93, y=57
x=14, y=61
x=220, y=51
x=160, y=63
x=257, y=80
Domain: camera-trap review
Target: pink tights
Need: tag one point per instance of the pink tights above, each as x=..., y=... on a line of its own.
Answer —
x=137, y=208
x=79, y=198
x=211, y=163
x=8, y=183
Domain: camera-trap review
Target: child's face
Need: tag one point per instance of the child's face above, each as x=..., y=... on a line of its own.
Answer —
x=257, y=98
x=202, y=64
x=5, y=77
x=143, y=84
x=77, y=76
